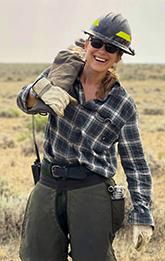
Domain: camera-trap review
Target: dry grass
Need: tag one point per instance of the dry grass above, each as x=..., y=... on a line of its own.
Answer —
x=146, y=85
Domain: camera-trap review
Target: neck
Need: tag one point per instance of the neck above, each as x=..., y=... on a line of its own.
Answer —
x=91, y=77
x=91, y=81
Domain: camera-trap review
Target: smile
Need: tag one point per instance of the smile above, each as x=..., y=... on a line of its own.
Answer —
x=99, y=59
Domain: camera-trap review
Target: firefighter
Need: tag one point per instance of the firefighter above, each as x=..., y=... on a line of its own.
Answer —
x=76, y=200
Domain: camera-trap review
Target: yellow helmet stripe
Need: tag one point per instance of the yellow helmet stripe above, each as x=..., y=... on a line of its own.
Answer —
x=96, y=22
x=124, y=35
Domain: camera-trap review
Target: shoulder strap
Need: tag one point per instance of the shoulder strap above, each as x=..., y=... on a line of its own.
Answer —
x=34, y=140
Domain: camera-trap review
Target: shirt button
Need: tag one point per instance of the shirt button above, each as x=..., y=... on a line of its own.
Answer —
x=103, y=138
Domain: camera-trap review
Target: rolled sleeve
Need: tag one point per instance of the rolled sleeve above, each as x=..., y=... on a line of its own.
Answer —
x=137, y=172
x=22, y=97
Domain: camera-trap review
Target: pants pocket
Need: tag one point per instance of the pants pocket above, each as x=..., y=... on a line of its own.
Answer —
x=118, y=211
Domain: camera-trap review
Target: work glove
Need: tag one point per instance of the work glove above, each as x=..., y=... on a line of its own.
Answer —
x=65, y=69
x=141, y=236
x=53, y=96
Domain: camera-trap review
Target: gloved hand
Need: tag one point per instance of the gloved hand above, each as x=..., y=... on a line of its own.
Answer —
x=53, y=96
x=141, y=236
x=65, y=68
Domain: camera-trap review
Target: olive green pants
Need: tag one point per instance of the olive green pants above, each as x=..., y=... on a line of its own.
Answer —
x=85, y=214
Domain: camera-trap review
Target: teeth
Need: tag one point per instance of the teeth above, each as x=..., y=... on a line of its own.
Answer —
x=100, y=59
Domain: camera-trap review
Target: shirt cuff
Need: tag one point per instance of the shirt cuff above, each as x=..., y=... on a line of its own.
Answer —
x=24, y=97
x=141, y=217
x=41, y=86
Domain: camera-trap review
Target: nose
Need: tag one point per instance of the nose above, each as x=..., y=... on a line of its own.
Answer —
x=102, y=49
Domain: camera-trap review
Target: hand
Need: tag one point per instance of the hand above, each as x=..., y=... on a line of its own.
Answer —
x=53, y=96
x=65, y=68
x=141, y=235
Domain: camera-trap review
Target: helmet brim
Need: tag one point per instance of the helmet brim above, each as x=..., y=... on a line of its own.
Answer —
x=127, y=50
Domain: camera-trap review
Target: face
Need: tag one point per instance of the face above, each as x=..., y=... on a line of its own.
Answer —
x=100, y=60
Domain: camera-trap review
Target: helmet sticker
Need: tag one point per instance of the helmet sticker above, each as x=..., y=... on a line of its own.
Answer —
x=124, y=35
x=96, y=22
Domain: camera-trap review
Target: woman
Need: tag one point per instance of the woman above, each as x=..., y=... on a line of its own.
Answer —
x=76, y=200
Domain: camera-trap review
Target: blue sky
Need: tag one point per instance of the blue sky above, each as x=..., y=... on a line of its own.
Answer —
x=35, y=30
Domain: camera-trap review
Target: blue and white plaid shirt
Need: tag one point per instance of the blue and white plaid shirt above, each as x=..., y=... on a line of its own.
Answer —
x=88, y=134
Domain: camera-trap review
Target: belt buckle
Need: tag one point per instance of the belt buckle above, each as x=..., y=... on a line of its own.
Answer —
x=55, y=171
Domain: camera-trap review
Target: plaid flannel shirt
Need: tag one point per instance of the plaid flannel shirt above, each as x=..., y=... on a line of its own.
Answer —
x=88, y=134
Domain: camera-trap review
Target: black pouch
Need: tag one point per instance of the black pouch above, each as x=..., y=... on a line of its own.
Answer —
x=118, y=211
x=117, y=197
x=36, y=170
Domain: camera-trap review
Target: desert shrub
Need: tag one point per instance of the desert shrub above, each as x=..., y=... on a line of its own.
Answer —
x=19, y=72
x=153, y=111
x=161, y=129
x=159, y=213
x=11, y=209
x=156, y=166
x=4, y=189
x=23, y=136
x=27, y=147
x=141, y=72
x=6, y=142
x=11, y=213
x=9, y=113
x=40, y=123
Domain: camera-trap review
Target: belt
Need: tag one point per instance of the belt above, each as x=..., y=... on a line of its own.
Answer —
x=68, y=177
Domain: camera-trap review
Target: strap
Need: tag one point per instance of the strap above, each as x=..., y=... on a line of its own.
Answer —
x=34, y=140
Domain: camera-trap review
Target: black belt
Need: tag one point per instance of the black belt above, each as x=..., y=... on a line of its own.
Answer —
x=68, y=177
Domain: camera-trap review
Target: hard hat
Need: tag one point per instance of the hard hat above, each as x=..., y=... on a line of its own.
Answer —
x=113, y=28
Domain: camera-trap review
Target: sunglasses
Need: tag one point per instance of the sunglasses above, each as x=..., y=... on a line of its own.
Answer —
x=98, y=43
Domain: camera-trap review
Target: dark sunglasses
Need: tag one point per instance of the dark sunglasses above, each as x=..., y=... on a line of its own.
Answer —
x=98, y=43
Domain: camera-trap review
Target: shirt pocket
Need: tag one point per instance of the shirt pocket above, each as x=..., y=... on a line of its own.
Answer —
x=104, y=133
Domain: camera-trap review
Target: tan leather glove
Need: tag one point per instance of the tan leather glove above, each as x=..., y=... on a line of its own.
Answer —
x=141, y=236
x=65, y=69
x=53, y=96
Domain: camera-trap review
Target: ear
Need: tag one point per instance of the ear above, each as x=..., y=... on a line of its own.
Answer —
x=118, y=58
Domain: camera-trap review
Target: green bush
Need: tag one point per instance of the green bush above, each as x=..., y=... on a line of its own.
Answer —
x=40, y=123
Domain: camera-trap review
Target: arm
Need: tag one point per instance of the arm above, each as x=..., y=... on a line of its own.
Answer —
x=139, y=182
x=48, y=93
x=137, y=172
